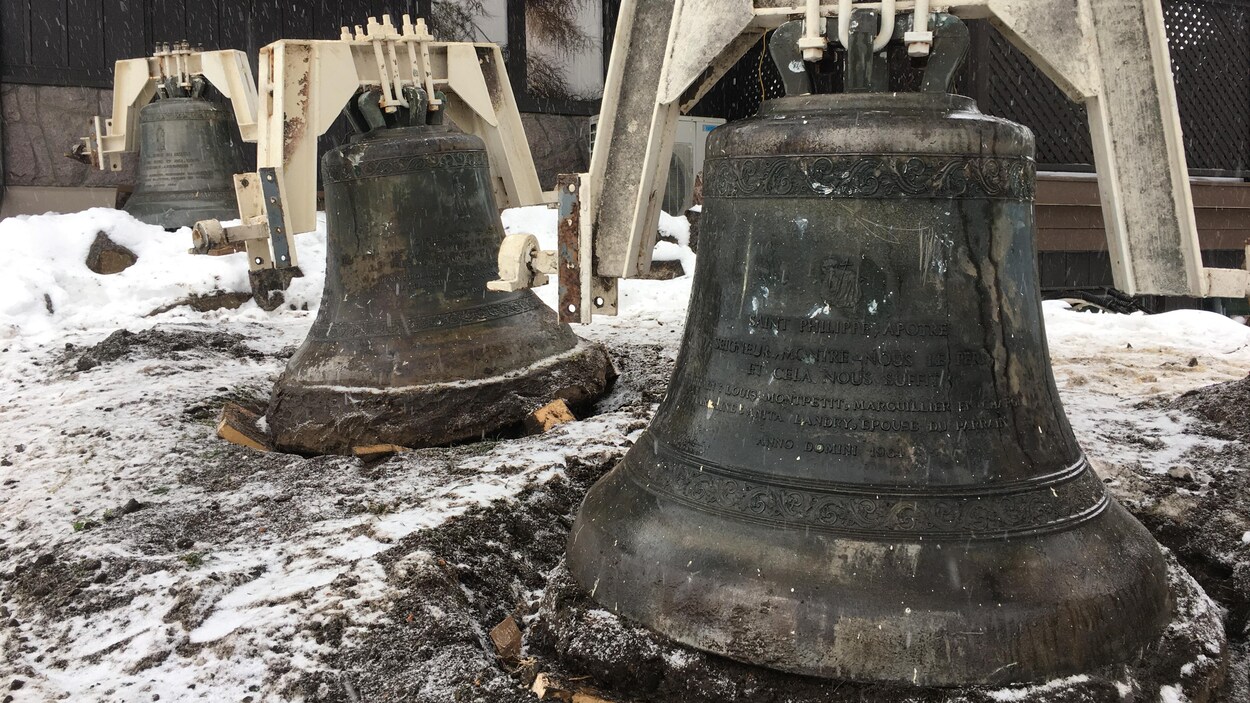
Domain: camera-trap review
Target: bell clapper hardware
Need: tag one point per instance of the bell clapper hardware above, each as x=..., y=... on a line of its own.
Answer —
x=1111, y=57
x=174, y=70
x=305, y=84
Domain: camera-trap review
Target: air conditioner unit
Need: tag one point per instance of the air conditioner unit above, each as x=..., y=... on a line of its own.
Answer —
x=689, y=151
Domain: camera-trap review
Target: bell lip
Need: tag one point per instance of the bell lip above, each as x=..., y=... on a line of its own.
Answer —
x=880, y=102
x=633, y=554
x=313, y=420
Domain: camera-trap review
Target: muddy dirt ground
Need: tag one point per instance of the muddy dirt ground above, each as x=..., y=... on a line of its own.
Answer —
x=161, y=563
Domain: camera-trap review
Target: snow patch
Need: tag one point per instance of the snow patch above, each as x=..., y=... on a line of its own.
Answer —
x=1172, y=694
x=46, y=287
x=1027, y=693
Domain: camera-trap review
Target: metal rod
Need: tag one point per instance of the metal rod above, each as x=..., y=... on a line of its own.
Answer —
x=813, y=42
x=889, y=11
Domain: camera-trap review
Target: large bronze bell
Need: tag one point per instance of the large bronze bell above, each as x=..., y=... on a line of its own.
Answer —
x=189, y=151
x=409, y=348
x=862, y=469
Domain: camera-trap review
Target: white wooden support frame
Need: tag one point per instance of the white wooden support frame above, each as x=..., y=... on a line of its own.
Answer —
x=305, y=84
x=1110, y=55
x=136, y=82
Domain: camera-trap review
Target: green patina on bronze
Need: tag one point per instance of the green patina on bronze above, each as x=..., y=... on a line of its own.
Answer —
x=409, y=348
x=862, y=469
x=189, y=152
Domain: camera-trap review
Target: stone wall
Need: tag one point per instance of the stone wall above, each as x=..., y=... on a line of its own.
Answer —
x=560, y=144
x=43, y=123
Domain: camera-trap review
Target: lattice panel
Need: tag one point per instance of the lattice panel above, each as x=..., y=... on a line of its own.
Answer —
x=1210, y=43
x=739, y=94
x=1015, y=89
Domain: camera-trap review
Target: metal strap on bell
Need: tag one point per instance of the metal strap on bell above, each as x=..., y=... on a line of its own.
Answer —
x=409, y=347
x=862, y=469
x=189, y=151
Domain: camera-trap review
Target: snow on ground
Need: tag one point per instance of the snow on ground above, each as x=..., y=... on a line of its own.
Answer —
x=209, y=590
x=1107, y=365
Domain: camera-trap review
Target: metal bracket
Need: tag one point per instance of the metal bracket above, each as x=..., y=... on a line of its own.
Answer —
x=583, y=293
x=1111, y=55
x=573, y=306
x=279, y=240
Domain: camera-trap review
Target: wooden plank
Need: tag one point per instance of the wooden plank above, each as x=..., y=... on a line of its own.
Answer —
x=1065, y=190
x=298, y=22
x=1061, y=190
x=169, y=21
x=14, y=34
x=49, y=35
x=266, y=23
x=86, y=41
x=1050, y=240
x=233, y=26
x=1221, y=195
x=238, y=425
x=95, y=78
x=329, y=17
x=1070, y=217
x=549, y=417
x=376, y=452
x=202, y=24
x=126, y=32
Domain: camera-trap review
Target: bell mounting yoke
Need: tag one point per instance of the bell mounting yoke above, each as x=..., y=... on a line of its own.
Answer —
x=307, y=84
x=1112, y=56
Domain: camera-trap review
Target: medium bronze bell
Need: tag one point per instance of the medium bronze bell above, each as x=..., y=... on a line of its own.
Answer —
x=189, y=151
x=862, y=469
x=409, y=348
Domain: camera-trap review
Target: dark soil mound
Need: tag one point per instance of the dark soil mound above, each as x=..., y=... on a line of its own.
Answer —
x=455, y=583
x=1225, y=407
x=635, y=664
x=160, y=343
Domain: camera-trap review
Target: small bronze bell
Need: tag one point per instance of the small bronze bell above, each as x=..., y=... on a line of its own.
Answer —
x=189, y=151
x=409, y=348
x=862, y=469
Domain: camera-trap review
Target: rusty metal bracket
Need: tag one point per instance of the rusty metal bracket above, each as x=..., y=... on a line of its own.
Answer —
x=583, y=293
x=572, y=301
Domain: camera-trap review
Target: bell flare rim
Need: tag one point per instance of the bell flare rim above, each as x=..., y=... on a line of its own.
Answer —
x=176, y=216
x=321, y=420
x=727, y=587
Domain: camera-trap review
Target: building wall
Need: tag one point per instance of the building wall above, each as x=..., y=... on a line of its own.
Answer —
x=43, y=123
x=560, y=144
